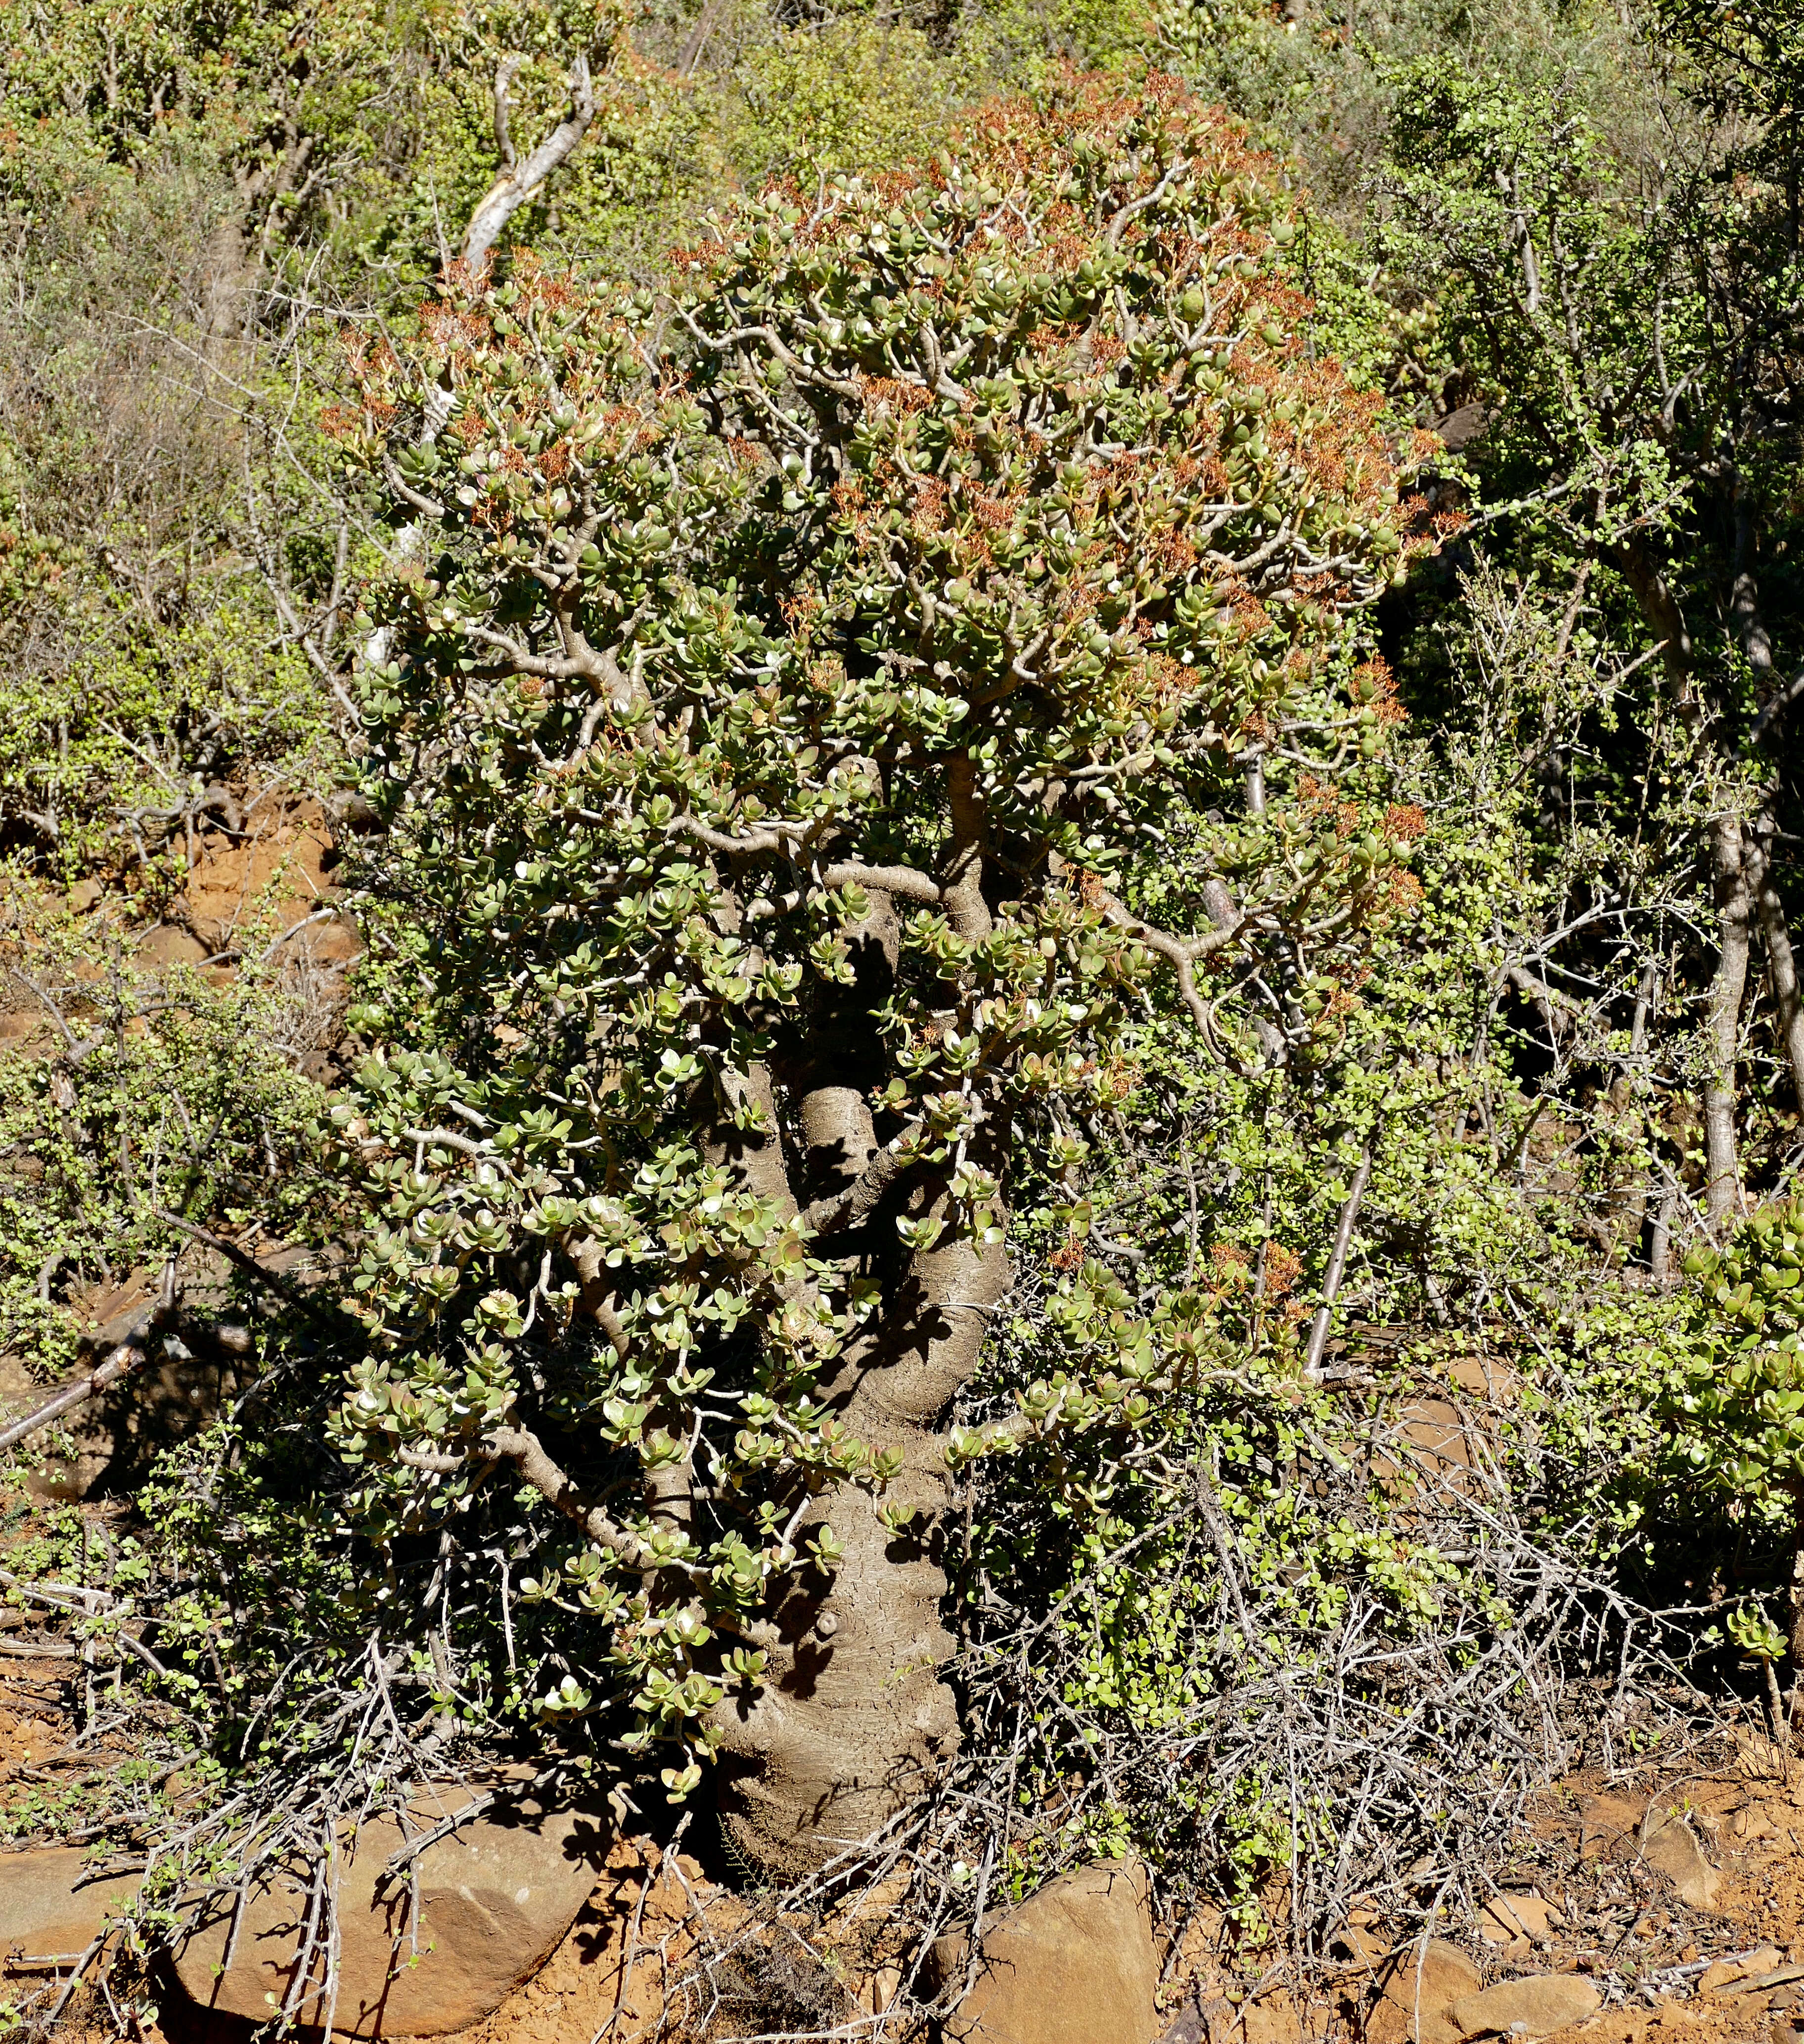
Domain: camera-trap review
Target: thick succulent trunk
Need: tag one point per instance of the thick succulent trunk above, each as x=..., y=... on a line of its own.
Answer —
x=854, y=1719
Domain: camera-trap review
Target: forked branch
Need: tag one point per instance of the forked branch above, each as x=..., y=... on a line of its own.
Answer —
x=520, y=180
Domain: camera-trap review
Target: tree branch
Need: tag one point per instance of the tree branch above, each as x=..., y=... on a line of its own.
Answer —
x=518, y=183
x=1781, y=965
x=841, y=1211
x=1336, y=1267
x=902, y=880
x=1730, y=874
x=503, y=83
x=526, y=1452
x=906, y=881
x=1776, y=708
x=126, y=1358
x=272, y=1281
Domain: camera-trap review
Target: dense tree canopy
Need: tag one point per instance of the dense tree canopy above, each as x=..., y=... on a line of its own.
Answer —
x=1063, y=743
x=781, y=705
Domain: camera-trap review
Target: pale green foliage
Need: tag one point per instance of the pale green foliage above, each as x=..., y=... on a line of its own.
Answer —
x=1737, y=1406
x=1231, y=1179
x=216, y=1527
x=696, y=682
x=810, y=107
x=583, y=942
x=103, y=758
x=128, y=1097
x=1325, y=76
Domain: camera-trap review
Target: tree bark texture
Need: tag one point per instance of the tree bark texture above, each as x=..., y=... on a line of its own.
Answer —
x=519, y=182
x=853, y=1720
x=1782, y=966
x=1728, y=872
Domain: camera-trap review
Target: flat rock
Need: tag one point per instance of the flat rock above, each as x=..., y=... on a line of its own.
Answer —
x=1362, y=1944
x=52, y=1909
x=1725, y=1972
x=494, y=1898
x=1074, y=1964
x=1506, y=1918
x=1459, y=429
x=1419, y=1989
x=1530, y=2008
x=1670, y=1846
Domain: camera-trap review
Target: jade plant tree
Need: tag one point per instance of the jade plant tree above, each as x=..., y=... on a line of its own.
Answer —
x=787, y=692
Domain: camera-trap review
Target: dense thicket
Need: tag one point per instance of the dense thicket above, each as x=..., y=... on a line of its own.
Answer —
x=1053, y=798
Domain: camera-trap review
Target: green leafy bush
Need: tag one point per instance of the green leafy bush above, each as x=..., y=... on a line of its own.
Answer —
x=1735, y=1406
x=132, y=1102
x=773, y=723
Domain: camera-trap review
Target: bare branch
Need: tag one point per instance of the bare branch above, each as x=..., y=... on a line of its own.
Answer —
x=844, y=1210
x=1337, y=1267
x=704, y=28
x=503, y=82
x=1776, y=708
x=284, y=1288
x=906, y=881
x=902, y=880
x=518, y=183
x=428, y=507
x=528, y=1454
x=126, y=1358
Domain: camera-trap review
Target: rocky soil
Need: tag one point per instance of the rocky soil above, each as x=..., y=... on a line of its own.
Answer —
x=1672, y=1905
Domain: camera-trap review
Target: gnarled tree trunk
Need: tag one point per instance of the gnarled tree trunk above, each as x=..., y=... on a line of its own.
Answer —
x=854, y=1719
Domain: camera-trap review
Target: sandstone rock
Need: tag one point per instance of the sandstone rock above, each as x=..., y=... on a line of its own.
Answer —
x=1506, y=1918
x=168, y=945
x=1725, y=1972
x=52, y=1909
x=1669, y=1846
x=1273, y=2018
x=1608, y=1820
x=1460, y=429
x=1422, y=1985
x=1527, y=2008
x=494, y=1898
x=1485, y=1379
x=1362, y=1944
x=1074, y=1964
